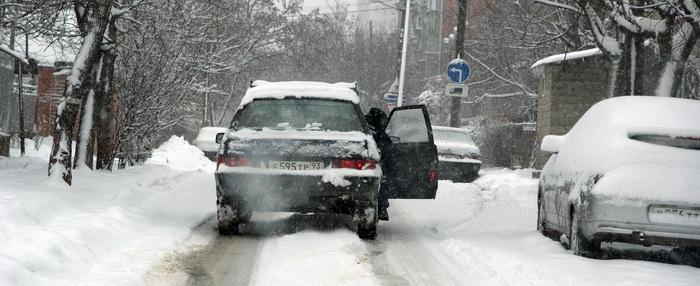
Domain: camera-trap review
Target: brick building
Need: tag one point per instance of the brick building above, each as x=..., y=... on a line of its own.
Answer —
x=51, y=82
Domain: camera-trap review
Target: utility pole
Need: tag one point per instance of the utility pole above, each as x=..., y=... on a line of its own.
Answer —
x=459, y=53
x=20, y=99
x=404, y=51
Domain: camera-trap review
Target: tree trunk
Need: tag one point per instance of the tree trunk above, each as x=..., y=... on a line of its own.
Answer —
x=103, y=114
x=622, y=78
x=674, y=55
x=78, y=85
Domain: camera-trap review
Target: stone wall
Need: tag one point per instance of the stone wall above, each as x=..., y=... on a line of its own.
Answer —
x=566, y=90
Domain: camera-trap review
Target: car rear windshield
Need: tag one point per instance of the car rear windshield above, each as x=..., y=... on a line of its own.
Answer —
x=452, y=136
x=312, y=114
x=685, y=142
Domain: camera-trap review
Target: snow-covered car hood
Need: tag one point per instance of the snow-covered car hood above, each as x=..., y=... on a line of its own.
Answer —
x=456, y=148
x=650, y=183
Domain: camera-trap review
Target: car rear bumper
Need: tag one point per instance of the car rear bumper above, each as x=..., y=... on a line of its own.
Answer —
x=297, y=193
x=647, y=234
x=458, y=171
x=631, y=221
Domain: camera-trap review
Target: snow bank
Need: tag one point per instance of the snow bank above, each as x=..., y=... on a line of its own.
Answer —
x=299, y=89
x=106, y=229
x=179, y=155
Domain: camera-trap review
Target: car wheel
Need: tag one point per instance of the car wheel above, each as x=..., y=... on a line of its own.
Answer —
x=366, y=219
x=578, y=243
x=471, y=177
x=228, y=217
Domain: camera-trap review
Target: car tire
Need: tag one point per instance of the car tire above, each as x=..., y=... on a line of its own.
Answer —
x=227, y=216
x=692, y=255
x=366, y=221
x=578, y=243
x=471, y=177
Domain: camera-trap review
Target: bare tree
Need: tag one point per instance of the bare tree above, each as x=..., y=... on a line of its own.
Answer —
x=92, y=18
x=639, y=36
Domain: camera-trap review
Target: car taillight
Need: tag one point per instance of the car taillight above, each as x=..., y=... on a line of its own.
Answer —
x=433, y=176
x=232, y=161
x=358, y=164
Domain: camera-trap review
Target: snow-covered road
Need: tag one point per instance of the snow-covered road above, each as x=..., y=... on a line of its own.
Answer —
x=154, y=225
x=472, y=234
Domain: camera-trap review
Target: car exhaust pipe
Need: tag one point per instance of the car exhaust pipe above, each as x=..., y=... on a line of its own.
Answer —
x=640, y=237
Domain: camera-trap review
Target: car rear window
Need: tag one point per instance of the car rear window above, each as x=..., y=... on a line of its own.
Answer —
x=452, y=136
x=685, y=142
x=313, y=114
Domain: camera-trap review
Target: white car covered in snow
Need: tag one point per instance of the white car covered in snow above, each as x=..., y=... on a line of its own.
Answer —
x=628, y=171
x=206, y=141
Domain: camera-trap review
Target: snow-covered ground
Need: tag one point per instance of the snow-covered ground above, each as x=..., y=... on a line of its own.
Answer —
x=154, y=225
x=109, y=227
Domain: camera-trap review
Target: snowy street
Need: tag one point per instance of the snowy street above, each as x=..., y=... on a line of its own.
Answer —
x=155, y=225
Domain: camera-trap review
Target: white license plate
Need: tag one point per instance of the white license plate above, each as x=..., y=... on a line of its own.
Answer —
x=672, y=215
x=295, y=165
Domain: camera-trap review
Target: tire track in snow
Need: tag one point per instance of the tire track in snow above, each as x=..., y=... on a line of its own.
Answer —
x=400, y=256
x=224, y=260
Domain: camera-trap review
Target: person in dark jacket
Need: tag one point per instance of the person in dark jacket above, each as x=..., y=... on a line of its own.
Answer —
x=378, y=120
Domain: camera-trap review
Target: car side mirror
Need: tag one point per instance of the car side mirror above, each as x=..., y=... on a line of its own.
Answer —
x=552, y=143
x=219, y=137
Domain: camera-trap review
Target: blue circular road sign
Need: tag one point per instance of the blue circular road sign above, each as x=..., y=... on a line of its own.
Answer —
x=458, y=71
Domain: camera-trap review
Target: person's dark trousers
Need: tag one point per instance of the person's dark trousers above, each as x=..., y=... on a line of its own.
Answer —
x=383, y=200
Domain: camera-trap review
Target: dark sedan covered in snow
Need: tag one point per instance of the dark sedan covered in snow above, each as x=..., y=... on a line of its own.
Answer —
x=459, y=157
x=306, y=147
x=628, y=171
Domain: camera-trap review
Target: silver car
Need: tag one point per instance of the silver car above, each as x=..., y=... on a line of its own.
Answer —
x=628, y=171
x=206, y=141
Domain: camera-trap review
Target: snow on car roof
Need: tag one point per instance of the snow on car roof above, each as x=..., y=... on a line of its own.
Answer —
x=209, y=133
x=648, y=114
x=300, y=89
x=600, y=140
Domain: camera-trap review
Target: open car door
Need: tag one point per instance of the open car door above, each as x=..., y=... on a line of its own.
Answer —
x=413, y=172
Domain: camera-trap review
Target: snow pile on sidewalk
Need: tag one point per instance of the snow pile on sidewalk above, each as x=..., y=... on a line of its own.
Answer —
x=104, y=230
x=177, y=154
